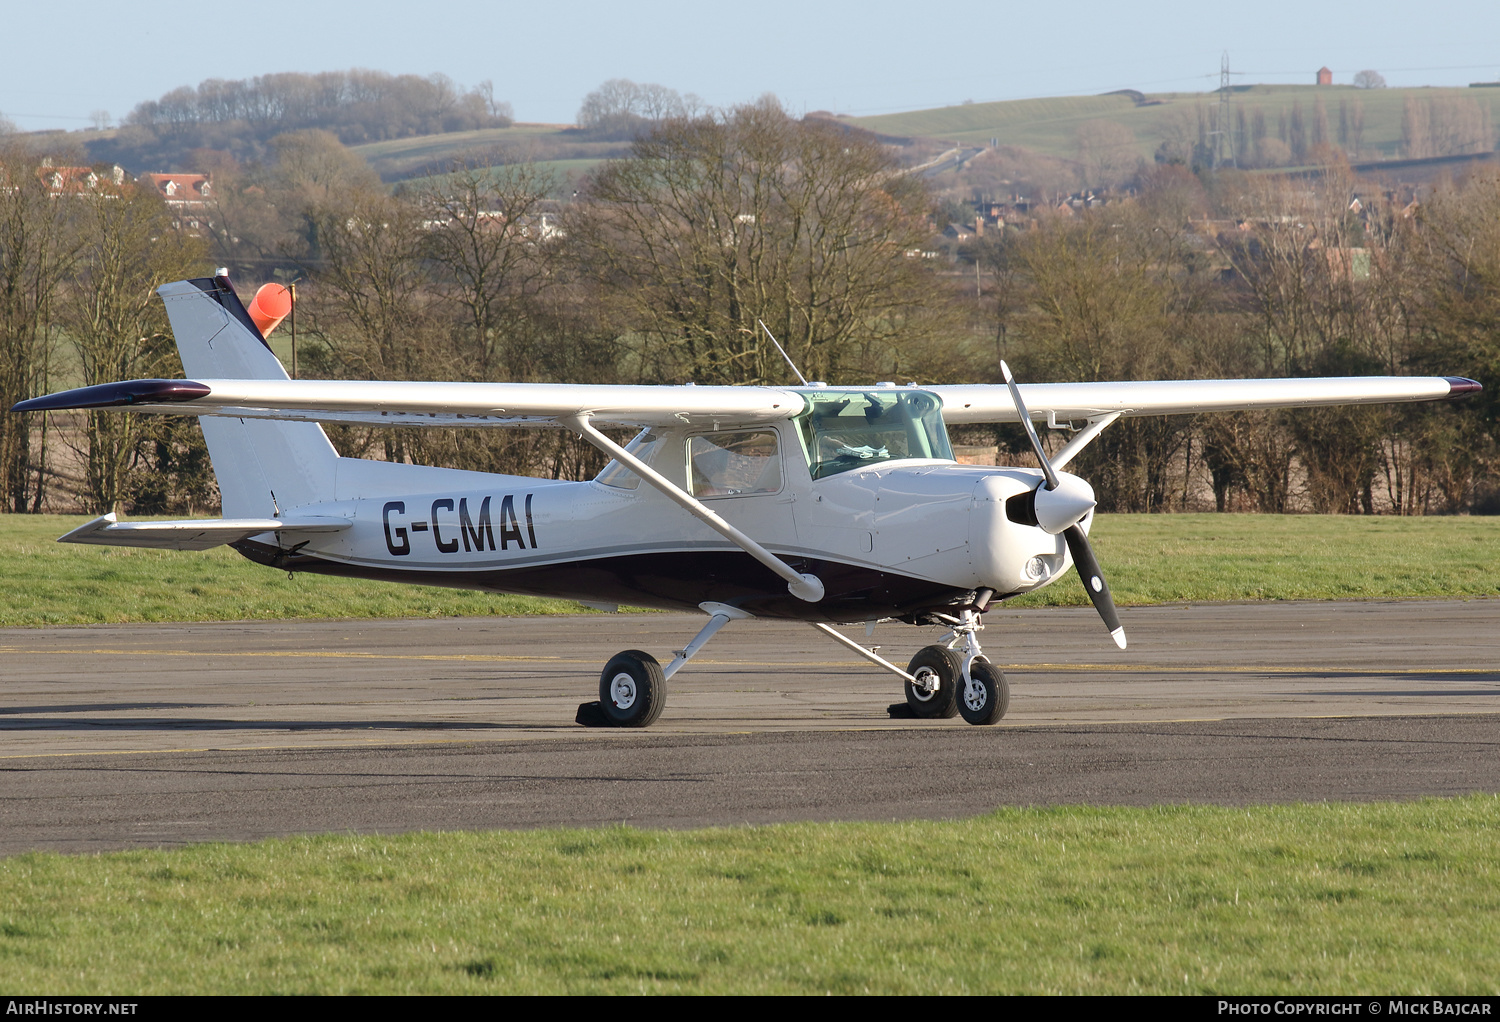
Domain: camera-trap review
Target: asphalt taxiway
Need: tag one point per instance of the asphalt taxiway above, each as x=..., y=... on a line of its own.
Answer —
x=144, y=735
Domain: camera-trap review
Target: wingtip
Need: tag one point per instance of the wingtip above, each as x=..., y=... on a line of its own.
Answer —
x=1119, y=636
x=1460, y=387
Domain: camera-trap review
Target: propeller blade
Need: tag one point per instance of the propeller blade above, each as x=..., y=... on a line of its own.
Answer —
x=1036, y=441
x=1093, y=581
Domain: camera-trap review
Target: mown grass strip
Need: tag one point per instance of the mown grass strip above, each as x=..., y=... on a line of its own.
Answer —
x=1148, y=558
x=1398, y=898
x=43, y=582
x=1200, y=558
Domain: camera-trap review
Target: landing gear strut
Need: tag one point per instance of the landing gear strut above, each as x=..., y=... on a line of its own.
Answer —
x=633, y=685
x=983, y=693
x=954, y=678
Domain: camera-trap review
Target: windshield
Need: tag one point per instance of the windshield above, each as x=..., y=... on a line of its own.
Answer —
x=620, y=477
x=846, y=429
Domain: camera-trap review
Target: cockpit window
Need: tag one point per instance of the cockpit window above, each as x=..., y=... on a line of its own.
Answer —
x=620, y=477
x=841, y=430
x=734, y=464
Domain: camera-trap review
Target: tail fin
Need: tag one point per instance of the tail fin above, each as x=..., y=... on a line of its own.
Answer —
x=264, y=467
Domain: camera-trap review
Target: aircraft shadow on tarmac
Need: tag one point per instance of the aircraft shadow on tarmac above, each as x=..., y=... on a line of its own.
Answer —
x=1465, y=693
x=6, y=711
x=219, y=724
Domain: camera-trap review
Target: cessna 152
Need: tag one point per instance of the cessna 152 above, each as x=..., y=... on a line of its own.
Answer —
x=814, y=503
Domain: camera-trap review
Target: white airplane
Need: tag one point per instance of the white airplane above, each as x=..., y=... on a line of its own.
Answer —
x=814, y=503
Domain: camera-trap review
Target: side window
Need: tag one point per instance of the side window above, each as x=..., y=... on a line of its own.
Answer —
x=734, y=464
x=620, y=477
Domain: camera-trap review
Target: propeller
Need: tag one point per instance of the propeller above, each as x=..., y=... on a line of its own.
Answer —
x=1061, y=503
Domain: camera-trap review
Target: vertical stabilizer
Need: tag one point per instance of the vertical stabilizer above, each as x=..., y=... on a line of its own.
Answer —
x=264, y=467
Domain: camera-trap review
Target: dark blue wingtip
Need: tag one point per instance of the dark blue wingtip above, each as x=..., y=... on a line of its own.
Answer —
x=1459, y=387
x=114, y=395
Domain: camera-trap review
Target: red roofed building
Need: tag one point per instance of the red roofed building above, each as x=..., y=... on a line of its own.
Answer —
x=182, y=191
x=1325, y=76
x=76, y=180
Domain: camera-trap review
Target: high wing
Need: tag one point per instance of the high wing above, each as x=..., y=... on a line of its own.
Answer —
x=434, y=404
x=1072, y=401
x=513, y=404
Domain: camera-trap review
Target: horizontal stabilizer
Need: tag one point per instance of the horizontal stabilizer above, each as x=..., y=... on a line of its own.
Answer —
x=194, y=533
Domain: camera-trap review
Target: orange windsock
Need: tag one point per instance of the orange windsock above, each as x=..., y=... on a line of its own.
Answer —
x=271, y=304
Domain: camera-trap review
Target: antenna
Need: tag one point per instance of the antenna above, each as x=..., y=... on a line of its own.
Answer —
x=783, y=352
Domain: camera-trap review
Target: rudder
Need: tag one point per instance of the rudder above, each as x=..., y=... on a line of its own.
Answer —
x=264, y=466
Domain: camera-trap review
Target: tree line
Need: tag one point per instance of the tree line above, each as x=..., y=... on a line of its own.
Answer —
x=239, y=117
x=664, y=266
x=1301, y=281
x=77, y=275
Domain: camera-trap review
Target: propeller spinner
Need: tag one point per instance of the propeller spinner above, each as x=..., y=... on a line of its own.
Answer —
x=1061, y=503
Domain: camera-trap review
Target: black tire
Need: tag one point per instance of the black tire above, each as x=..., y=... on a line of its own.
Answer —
x=993, y=698
x=632, y=689
x=941, y=665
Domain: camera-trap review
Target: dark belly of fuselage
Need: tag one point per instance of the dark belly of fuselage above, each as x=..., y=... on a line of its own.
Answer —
x=668, y=581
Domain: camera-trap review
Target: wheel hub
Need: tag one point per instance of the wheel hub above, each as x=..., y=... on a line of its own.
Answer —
x=926, y=684
x=974, y=697
x=622, y=691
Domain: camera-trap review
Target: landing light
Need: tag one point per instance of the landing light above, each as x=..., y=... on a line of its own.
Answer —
x=1036, y=569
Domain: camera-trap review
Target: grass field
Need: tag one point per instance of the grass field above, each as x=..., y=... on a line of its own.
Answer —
x=1148, y=559
x=417, y=159
x=1050, y=125
x=1311, y=899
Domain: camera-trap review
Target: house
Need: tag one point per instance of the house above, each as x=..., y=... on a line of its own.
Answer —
x=181, y=191
x=61, y=181
x=1325, y=76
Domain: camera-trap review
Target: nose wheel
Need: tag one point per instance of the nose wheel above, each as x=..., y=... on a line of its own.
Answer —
x=979, y=692
x=986, y=694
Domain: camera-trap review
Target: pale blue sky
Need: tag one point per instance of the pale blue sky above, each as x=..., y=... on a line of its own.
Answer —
x=880, y=56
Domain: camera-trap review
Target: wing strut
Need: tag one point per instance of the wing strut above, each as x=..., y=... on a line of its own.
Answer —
x=804, y=587
x=1078, y=443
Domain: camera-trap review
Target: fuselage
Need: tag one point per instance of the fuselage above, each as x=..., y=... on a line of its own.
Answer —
x=892, y=537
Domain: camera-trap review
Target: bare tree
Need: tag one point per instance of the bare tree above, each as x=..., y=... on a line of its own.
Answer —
x=36, y=253
x=499, y=109
x=621, y=106
x=489, y=233
x=1106, y=153
x=118, y=329
x=1369, y=80
x=718, y=222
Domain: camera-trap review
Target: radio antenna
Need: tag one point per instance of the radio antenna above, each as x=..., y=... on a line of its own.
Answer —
x=783, y=352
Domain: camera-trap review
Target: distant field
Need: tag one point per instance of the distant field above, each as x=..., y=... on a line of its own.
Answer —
x=1147, y=558
x=1307, y=899
x=545, y=144
x=1050, y=125
x=565, y=176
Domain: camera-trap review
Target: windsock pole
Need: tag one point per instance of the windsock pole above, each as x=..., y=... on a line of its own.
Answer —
x=292, y=287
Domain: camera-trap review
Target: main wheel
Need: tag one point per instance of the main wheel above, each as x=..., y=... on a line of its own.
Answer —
x=632, y=689
x=988, y=699
x=939, y=677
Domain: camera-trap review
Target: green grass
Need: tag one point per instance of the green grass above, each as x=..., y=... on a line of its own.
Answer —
x=416, y=160
x=1049, y=125
x=1312, y=899
x=1206, y=557
x=1147, y=558
x=43, y=582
